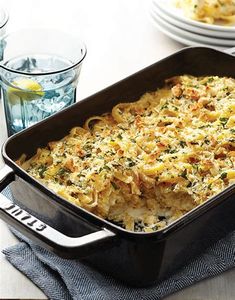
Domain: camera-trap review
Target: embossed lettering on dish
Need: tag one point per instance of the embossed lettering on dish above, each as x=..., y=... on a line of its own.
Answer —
x=24, y=217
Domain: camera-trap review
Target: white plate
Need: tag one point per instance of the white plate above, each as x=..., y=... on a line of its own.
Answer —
x=168, y=7
x=181, y=39
x=194, y=29
x=193, y=36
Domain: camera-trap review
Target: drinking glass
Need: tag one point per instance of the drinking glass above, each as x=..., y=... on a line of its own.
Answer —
x=39, y=71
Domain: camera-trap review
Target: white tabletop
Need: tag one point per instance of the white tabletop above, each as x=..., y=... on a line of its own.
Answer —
x=120, y=40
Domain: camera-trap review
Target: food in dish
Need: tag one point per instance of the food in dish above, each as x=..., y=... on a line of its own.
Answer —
x=209, y=11
x=148, y=162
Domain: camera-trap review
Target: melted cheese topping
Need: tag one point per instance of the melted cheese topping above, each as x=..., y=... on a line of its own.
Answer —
x=149, y=162
x=209, y=11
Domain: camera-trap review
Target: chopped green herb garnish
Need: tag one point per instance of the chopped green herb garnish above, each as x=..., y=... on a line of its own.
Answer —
x=170, y=150
x=164, y=106
x=204, y=126
x=223, y=121
x=80, y=175
x=131, y=163
x=195, y=166
x=114, y=185
x=182, y=144
x=223, y=175
x=41, y=170
x=106, y=167
x=184, y=174
x=210, y=79
x=87, y=147
x=62, y=171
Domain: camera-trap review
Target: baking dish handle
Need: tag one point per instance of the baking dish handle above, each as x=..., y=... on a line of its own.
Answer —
x=43, y=233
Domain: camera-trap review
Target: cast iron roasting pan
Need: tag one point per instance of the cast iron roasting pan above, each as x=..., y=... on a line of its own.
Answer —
x=138, y=259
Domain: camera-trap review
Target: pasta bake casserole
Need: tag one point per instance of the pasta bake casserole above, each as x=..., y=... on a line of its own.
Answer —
x=209, y=11
x=148, y=162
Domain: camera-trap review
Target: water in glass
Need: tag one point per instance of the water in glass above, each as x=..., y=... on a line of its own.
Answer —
x=33, y=98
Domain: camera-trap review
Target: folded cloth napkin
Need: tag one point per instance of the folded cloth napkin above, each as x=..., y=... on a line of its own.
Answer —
x=63, y=279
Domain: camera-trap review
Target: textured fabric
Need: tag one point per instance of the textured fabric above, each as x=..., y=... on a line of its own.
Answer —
x=63, y=279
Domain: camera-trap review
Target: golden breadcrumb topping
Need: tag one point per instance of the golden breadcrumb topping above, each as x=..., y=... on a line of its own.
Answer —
x=148, y=162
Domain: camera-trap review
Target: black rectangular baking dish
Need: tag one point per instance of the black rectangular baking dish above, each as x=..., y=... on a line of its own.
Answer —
x=139, y=259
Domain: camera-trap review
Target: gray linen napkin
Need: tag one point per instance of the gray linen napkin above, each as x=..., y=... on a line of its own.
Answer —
x=63, y=279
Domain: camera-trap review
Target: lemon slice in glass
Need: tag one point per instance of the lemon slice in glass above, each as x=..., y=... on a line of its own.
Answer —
x=25, y=89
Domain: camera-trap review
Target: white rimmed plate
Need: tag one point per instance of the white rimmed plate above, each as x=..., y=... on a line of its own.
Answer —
x=181, y=39
x=192, y=36
x=194, y=29
x=168, y=7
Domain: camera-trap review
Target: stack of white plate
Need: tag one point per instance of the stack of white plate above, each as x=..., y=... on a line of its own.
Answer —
x=171, y=21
